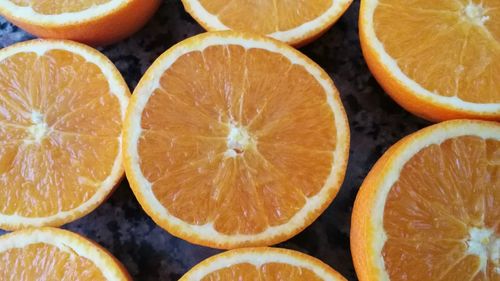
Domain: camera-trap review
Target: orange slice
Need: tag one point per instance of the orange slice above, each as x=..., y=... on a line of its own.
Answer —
x=262, y=264
x=294, y=22
x=61, y=111
x=95, y=22
x=233, y=140
x=438, y=59
x=56, y=254
x=430, y=207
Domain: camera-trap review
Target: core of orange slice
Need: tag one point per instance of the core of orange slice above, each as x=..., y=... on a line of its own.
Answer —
x=251, y=264
x=95, y=22
x=61, y=110
x=430, y=207
x=56, y=254
x=234, y=140
x=294, y=22
x=438, y=59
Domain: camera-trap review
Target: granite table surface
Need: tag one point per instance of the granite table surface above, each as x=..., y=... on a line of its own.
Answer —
x=150, y=253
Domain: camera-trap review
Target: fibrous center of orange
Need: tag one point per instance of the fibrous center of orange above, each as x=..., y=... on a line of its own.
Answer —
x=475, y=13
x=485, y=244
x=39, y=129
x=238, y=141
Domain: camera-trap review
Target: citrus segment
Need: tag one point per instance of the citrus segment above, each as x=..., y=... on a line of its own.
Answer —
x=54, y=254
x=271, y=271
x=294, y=22
x=275, y=16
x=234, y=140
x=431, y=207
x=65, y=267
x=95, y=22
x=59, y=7
x=60, y=127
x=262, y=264
x=437, y=59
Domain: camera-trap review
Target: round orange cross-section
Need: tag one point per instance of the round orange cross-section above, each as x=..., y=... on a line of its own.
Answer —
x=235, y=140
x=430, y=207
x=61, y=110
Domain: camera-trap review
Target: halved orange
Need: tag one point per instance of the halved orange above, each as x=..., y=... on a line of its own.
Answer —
x=294, y=22
x=95, y=22
x=61, y=110
x=430, y=207
x=234, y=140
x=262, y=264
x=438, y=59
x=56, y=254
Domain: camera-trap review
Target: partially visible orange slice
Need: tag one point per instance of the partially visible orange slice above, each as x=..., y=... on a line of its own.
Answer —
x=61, y=110
x=56, y=254
x=95, y=22
x=295, y=22
x=234, y=140
x=430, y=208
x=439, y=59
x=262, y=264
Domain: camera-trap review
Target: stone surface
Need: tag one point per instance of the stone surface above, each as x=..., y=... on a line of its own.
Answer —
x=150, y=253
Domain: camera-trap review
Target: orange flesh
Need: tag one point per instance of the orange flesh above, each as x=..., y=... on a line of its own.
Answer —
x=46, y=262
x=439, y=46
x=79, y=125
x=443, y=192
x=184, y=145
x=264, y=16
x=269, y=271
x=51, y=7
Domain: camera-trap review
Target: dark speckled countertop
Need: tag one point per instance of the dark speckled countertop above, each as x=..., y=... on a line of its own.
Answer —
x=149, y=252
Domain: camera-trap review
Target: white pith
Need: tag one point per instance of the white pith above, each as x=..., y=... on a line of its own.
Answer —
x=116, y=88
x=238, y=141
x=391, y=64
x=67, y=242
x=337, y=7
x=475, y=13
x=484, y=244
x=28, y=14
x=39, y=128
x=207, y=232
x=394, y=166
x=257, y=259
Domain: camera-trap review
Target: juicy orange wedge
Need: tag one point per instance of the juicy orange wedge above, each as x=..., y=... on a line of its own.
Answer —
x=56, y=254
x=262, y=264
x=430, y=208
x=438, y=59
x=234, y=140
x=61, y=110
